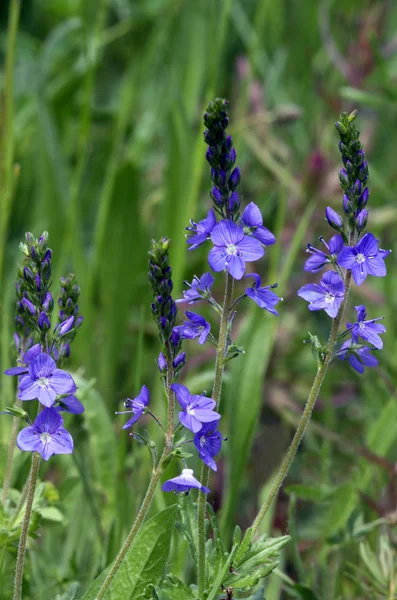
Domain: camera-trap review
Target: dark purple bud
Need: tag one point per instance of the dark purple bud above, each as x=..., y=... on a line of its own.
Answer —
x=27, y=304
x=363, y=199
x=210, y=156
x=19, y=321
x=357, y=188
x=334, y=220
x=17, y=341
x=175, y=337
x=163, y=322
x=46, y=269
x=38, y=282
x=349, y=167
x=232, y=156
x=78, y=322
x=346, y=203
x=29, y=237
x=44, y=322
x=229, y=142
x=234, y=179
x=360, y=158
x=179, y=361
x=217, y=196
x=362, y=219
x=62, y=315
x=363, y=172
x=66, y=326
x=48, y=303
x=234, y=202
x=69, y=303
x=343, y=177
x=28, y=275
x=65, y=350
x=162, y=363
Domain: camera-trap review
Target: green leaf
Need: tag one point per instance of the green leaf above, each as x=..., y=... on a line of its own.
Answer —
x=308, y=492
x=50, y=513
x=70, y=594
x=173, y=589
x=304, y=592
x=144, y=562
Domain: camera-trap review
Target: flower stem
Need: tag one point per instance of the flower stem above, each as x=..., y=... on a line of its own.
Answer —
x=216, y=395
x=311, y=401
x=156, y=474
x=18, y=581
x=10, y=456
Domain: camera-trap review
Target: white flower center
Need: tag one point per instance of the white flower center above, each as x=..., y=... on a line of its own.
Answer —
x=360, y=258
x=361, y=325
x=231, y=249
x=202, y=441
x=45, y=437
x=43, y=382
x=187, y=472
x=190, y=410
x=329, y=298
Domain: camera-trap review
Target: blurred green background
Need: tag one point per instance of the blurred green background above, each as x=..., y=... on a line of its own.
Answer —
x=101, y=145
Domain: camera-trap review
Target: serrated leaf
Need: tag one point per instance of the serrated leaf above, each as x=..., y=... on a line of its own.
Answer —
x=174, y=589
x=144, y=562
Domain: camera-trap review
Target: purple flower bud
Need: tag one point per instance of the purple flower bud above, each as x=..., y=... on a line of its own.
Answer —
x=27, y=304
x=362, y=219
x=234, y=178
x=341, y=128
x=48, y=303
x=343, y=177
x=346, y=203
x=78, y=322
x=27, y=273
x=357, y=187
x=38, y=282
x=175, y=337
x=363, y=199
x=162, y=363
x=334, y=220
x=232, y=156
x=234, y=202
x=360, y=156
x=66, y=326
x=217, y=196
x=179, y=361
x=363, y=172
x=229, y=142
x=65, y=350
x=163, y=322
x=44, y=322
x=210, y=156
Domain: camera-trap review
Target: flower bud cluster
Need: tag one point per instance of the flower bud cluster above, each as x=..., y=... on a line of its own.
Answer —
x=68, y=319
x=160, y=273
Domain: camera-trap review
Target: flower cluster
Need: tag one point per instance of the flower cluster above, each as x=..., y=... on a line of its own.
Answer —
x=352, y=252
x=39, y=350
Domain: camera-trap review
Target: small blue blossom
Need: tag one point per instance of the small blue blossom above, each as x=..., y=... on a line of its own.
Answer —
x=70, y=404
x=44, y=381
x=359, y=358
x=27, y=357
x=263, y=296
x=199, y=289
x=200, y=232
x=327, y=295
x=184, y=483
x=208, y=442
x=46, y=436
x=195, y=327
x=196, y=410
x=252, y=221
x=368, y=330
x=363, y=259
x=232, y=249
x=136, y=406
x=319, y=259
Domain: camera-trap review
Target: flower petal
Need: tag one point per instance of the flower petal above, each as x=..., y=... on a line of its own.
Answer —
x=225, y=233
x=42, y=366
x=62, y=383
x=217, y=259
x=182, y=394
x=376, y=266
x=28, y=439
x=250, y=248
x=368, y=245
x=252, y=216
x=235, y=266
x=265, y=236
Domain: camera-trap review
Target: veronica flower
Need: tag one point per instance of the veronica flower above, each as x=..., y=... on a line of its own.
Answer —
x=319, y=259
x=44, y=381
x=71, y=405
x=196, y=410
x=199, y=289
x=195, y=327
x=327, y=295
x=208, y=442
x=262, y=295
x=46, y=436
x=137, y=406
x=232, y=249
x=358, y=358
x=333, y=218
x=253, y=225
x=200, y=232
x=184, y=483
x=27, y=357
x=367, y=330
x=364, y=259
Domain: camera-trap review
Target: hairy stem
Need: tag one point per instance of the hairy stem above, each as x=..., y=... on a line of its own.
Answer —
x=10, y=456
x=216, y=395
x=18, y=581
x=147, y=501
x=311, y=401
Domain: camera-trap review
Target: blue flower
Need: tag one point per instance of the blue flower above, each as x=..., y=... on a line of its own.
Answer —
x=208, y=442
x=364, y=259
x=184, y=483
x=27, y=357
x=200, y=232
x=46, y=436
x=196, y=410
x=253, y=225
x=262, y=295
x=199, y=289
x=195, y=327
x=359, y=358
x=70, y=404
x=319, y=259
x=232, y=249
x=136, y=406
x=44, y=381
x=327, y=295
x=368, y=330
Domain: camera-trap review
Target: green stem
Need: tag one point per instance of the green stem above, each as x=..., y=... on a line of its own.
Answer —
x=147, y=501
x=10, y=456
x=311, y=401
x=34, y=469
x=19, y=506
x=216, y=395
